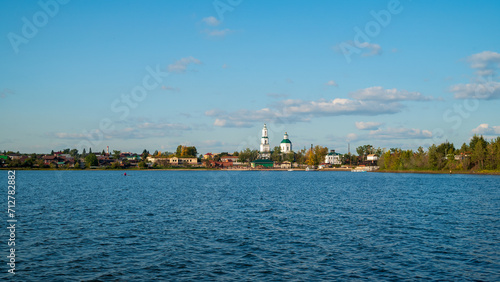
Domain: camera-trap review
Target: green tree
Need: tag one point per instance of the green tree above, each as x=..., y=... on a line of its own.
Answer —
x=248, y=155
x=74, y=153
x=144, y=154
x=434, y=157
x=316, y=155
x=494, y=153
x=186, y=151
x=479, y=154
x=91, y=160
x=276, y=155
x=420, y=158
x=116, y=154
x=300, y=156
x=364, y=150
x=479, y=150
x=142, y=165
x=191, y=151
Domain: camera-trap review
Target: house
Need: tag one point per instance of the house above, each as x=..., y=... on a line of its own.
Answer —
x=104, y=160
x=333, y=158
x=372, y=157
x=58, y=160
x=262, y=163
x=229, y=159
x=208, y=156
x=47, y=160
x=233, y=159
x=462, y=156
x=14, y=156
x=216, y=164
x=183, y=161
x=286, y=165
x=134, y=157
x=160, y=161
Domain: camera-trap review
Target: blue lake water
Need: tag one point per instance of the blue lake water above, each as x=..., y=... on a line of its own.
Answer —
x=213, y=225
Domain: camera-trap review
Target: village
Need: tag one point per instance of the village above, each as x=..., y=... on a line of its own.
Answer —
x=479, y=154
x=282, y=157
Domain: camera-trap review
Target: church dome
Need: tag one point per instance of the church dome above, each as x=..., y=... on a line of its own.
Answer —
x=285, y=139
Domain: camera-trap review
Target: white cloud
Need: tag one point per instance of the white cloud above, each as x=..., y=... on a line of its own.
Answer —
x=211, y=21
x=374, y=49
x=367, y=125
x=338, y=106
x=351, y=137
x=400, y=133
x=481, y=90
x=291, y=111
x=332, y=83
x=486, y=129
x=230, y=122
x=486, y=63
x=381, y=94
x=182, y=64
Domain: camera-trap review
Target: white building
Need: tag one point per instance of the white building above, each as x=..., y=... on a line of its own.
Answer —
x=333, y=158
x=372, y=157
x=265, y=151
x=286, y=144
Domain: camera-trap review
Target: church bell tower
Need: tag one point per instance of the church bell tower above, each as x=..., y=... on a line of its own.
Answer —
x=265, y=152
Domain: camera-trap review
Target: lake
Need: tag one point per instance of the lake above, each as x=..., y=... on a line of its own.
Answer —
x=253, y=225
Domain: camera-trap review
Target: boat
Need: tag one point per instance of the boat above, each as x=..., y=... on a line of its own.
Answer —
x=290, y=170
x=310, y=169
x=358, y=169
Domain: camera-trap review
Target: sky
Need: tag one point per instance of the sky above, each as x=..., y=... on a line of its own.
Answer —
x=136, y=75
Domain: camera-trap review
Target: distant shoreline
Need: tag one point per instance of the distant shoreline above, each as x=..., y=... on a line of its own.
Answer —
x=273, y=169
x=440, y=172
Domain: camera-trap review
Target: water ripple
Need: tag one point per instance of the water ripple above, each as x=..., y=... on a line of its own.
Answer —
x=175, y=225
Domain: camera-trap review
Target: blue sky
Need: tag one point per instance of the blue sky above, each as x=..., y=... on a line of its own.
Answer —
x=152, y=75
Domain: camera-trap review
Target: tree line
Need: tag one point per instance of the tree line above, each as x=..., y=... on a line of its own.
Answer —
x=478, y=154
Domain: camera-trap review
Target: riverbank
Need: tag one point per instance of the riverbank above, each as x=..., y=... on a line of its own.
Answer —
x=481, y=172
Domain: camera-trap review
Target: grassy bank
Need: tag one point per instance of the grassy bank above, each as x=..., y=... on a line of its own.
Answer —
x=485, y=172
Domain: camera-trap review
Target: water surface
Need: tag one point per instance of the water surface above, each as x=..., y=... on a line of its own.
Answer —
x=213, y=225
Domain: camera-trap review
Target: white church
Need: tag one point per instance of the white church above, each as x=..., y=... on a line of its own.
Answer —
x=265, y=151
